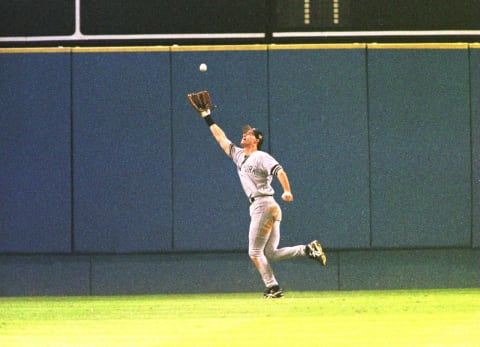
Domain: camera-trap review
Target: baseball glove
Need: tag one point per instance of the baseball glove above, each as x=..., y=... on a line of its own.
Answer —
x=200, y=102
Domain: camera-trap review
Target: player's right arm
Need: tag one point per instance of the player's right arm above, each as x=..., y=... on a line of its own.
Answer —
x=221, y=138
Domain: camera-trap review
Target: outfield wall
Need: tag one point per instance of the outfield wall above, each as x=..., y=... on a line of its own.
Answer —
x=108, y=179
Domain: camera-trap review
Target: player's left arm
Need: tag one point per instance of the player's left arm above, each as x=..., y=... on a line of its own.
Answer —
x=285, y=183
x=221, y=138
x=201, y=103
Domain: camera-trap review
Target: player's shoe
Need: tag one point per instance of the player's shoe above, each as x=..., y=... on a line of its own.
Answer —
x=314, y=251
x=274, y=292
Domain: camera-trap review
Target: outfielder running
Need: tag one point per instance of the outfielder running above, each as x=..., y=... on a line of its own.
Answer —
x=256, y=169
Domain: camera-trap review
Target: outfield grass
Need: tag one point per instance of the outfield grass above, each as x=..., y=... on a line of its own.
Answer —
x=361, y=318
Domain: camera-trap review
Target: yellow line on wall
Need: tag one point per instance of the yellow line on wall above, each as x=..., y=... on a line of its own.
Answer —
x=36, y=50
x=460, y=45
x=121, y=49
x=259, y=47
x=246, y=47
x=317, y=46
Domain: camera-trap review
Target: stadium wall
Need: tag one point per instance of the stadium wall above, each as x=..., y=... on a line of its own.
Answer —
x=111, y=184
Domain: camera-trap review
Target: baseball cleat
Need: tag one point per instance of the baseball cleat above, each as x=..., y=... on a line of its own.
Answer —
x=274, y=292
x=315, y=251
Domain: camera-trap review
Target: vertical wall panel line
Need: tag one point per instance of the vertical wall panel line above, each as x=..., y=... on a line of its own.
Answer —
x=472, y=147
x=72, y=166
x=369, y=154
x=172, y=152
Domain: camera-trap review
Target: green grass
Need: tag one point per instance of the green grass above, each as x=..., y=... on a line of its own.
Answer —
x=360, y=318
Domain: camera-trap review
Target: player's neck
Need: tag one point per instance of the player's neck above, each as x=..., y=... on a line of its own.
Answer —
x=250, y=150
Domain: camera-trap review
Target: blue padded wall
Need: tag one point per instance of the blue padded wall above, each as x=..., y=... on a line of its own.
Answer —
x=211, y=210
x=100, y=153
x=122, y=151
x=35, y=183
x=44, y=275
x=420, y=147
x=319, y=132
x=380, y=143
x=409, y=268
x=475, y=121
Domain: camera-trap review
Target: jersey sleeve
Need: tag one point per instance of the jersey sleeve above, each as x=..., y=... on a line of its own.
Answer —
x=270, y=164
x=275, y=169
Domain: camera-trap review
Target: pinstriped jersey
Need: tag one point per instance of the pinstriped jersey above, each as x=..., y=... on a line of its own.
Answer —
x=255, y=171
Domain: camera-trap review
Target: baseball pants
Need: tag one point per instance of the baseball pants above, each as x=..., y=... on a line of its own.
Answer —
x=264, y=238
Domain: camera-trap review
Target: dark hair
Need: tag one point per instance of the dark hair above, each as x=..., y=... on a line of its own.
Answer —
x=259, y=135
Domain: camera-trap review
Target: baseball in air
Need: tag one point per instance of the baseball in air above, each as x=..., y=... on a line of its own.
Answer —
x=203, y=67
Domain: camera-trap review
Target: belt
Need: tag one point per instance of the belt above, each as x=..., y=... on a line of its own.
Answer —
x=253, y=198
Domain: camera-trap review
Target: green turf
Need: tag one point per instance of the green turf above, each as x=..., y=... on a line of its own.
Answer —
x=360, y=318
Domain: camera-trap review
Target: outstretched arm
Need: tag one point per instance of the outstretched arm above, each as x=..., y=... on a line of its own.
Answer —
x=201, y=103
x=221, y=138
x=284, y=182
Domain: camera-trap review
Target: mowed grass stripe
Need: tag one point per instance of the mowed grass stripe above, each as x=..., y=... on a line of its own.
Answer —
x=360, y=318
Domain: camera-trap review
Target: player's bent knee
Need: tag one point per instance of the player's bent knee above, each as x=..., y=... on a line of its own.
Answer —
x=256, y=256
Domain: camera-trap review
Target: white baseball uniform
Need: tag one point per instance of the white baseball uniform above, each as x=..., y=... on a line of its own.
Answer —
x=256, y=172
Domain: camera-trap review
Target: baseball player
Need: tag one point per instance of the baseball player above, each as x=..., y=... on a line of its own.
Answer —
x=256, y=169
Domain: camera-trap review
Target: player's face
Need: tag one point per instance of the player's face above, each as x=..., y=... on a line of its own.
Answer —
x=248, y=139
